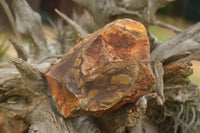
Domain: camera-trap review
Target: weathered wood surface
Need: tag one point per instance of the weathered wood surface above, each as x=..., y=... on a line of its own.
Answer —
x=24, y=94
x=187, y=41
x=29, y=23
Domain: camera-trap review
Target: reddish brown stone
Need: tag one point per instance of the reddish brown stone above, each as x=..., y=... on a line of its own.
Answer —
x=106, y=70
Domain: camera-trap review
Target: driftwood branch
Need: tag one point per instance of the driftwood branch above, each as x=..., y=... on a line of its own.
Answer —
x=20, y=49
x=73, y=24
x=149, y=13
x=145, y=126
x=104, y=11
x=153, y=40
x=188, y=40
x=29, y=23
x=50, y=57
x=168, y=26
x=84, y=124
x=127, y=116
x=144, y=11
x=7, y=75
x=44, y=119
x=159, y=72
x=22, y=98
x=24, y=92
x=11, y=19
x=34, y=79
x=114, y=10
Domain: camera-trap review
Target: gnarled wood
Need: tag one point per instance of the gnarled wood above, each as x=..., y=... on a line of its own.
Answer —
x=188, y=40
x=24, y=93
x=19, y=48
x=34, y=79
x=29, y=23
x=159, y=72
x=79, y=29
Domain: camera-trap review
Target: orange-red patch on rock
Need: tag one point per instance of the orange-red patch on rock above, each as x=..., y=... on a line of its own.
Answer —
x=103, y=72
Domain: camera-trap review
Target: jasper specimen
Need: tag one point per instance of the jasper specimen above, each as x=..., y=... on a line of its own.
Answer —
x=106, y=70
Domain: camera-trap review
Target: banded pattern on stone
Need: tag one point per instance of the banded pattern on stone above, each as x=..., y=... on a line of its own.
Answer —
x=106, y=70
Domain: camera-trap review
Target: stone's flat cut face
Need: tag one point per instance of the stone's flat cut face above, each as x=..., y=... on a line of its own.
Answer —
x=103, y=72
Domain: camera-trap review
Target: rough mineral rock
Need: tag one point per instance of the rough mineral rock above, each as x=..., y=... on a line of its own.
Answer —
x=106, y=70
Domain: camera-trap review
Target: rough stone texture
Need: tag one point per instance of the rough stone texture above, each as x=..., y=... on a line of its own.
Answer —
x=106, y=70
